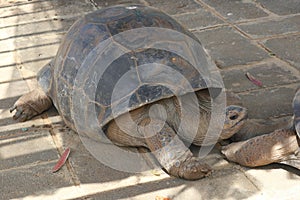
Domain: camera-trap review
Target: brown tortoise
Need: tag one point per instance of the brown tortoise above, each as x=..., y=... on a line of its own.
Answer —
x=110, y=70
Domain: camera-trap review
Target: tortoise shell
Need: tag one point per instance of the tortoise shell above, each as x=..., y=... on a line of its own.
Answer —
x=120, y=58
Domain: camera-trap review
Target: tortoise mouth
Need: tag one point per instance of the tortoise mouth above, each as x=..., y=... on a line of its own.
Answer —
x=243, y=119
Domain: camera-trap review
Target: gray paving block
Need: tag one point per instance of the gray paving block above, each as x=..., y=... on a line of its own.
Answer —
x=13, y=89
x=236, y=10
x=31, y=181
x=281, y=7
x=270, y=73
x=8, y=74
x=287, y=48
x=7, y=59
x=199, y=19
x=34, y=58
x=269, y=102
x=36, y=28
x=275, y=182
x=272, y=27
x=101, y=3
x=26, y=147
x=227, y=47
x=23, y=43
x=27, y=13
x=173, y=7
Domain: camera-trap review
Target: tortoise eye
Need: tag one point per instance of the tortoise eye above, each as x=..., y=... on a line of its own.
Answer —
x=234, y=117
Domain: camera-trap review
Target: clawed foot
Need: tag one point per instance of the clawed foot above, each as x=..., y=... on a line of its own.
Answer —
x=23, y=111
x=30, y=105
x=191, y=169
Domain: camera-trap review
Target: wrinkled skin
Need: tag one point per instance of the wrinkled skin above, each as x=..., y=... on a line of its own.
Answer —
x=279, y=146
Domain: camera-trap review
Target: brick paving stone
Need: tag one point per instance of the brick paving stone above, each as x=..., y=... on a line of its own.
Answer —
x=36, y=28
x=31, y=181
x=269, y=102
x=272, y=27
x=8, y=74
x=266, y=178
x=13, y=89
x=24, y=43
x=286, y=48
x=5, y=103
x=236, y=10
x=227, y=47
x=7, y=59
x=271, y=74
x=101, y=3
x=199, y=19
x=35, y=58
x=27, y=13
x=173, y=7
x=25, y=147
x=281, y=7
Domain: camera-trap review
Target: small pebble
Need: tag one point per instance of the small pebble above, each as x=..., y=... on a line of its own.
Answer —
x=24, y=129
x=155, y=172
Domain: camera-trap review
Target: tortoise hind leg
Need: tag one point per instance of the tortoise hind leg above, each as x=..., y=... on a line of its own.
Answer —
x=31, y=104
x=171, y=152
x=275, y=147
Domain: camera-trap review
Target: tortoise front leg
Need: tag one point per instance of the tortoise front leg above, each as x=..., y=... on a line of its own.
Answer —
x=171, y=152
x=31, y=104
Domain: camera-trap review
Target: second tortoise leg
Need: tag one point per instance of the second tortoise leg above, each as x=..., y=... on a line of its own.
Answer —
x=279, y=146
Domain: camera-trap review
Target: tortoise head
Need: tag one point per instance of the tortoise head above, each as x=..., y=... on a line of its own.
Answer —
x=296, y=107
x=235, y=118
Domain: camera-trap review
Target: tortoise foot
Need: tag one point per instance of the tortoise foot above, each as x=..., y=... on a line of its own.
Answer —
x=30, y=105
x=191, y=169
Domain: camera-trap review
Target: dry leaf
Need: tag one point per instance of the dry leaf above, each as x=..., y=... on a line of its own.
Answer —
x=254, y=80
x=162, y=198
x=62, y=160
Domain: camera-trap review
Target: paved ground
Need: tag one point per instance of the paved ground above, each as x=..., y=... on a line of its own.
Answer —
x=261, y=36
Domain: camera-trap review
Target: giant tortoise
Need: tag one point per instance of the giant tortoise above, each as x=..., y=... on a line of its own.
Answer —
x=129, y=63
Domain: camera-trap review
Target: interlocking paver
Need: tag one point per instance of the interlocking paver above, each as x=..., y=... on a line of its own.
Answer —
x=286, y=48
x=236, y=10
x=259, y=102
x=31, y=181
x=272, y=27
x=173, y=7
x=198, y=19
x=281, y=7
x=272, y=73
x=228, y=47
x=101, y=3
x=24, y=148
